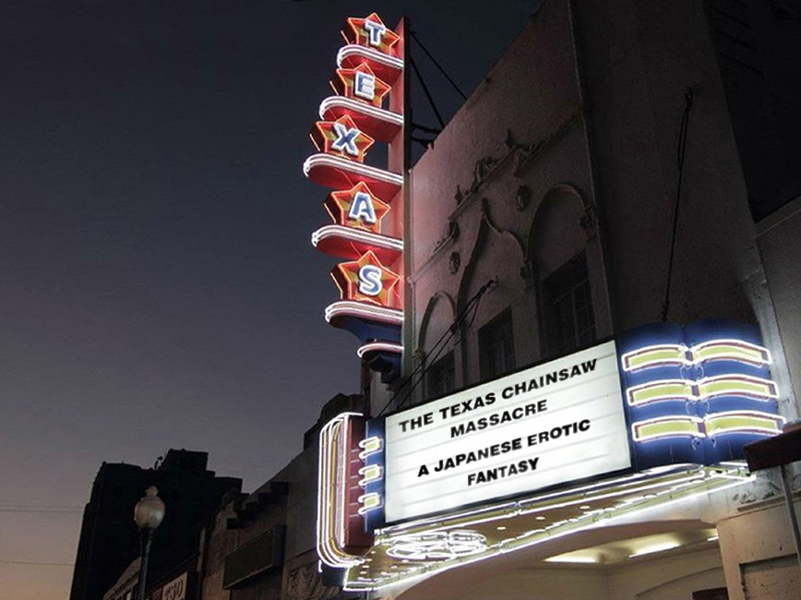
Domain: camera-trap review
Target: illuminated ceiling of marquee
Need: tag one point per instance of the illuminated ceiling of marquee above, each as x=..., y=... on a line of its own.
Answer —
x=620, y=551
x=519, y=524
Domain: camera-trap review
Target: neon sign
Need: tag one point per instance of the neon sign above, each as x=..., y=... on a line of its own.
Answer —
x=366, y=203
x=341, y=138
x=629, y=424
x=371, y=32
x=366, y=280
x=697, y=393
x=341, y=536
x=360, y=83
x=357, y=207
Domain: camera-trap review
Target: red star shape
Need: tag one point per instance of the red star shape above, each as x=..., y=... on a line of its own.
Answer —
x=366, y=280
x=342, y=138
x=338, y=205
x=358, y=32
x=344, y=85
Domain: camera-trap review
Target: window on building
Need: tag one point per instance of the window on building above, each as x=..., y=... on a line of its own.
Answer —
x=496, y=348
x=441, y=377
x=568, y=317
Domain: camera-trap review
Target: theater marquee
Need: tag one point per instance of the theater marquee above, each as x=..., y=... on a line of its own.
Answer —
x=658, y=415
x=554, y=423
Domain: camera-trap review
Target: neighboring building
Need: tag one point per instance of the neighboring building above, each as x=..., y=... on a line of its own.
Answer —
x=221, y=543
x=261, y=546
x=179, y=583
x=109, y=540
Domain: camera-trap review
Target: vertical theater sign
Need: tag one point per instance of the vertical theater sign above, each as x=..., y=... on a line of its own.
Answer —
x=365, y=202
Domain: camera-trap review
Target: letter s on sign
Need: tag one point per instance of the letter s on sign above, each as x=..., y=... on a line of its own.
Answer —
x=370, y=280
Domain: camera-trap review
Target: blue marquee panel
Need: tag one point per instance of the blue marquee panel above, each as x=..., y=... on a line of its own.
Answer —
x=375, y=518
x=696, y=393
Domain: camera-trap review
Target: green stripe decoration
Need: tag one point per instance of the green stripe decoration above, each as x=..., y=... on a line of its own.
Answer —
x=667, y=427
x=668, y=389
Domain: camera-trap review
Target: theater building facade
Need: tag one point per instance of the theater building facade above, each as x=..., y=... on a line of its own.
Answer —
x=594, y=310
x=575, y=314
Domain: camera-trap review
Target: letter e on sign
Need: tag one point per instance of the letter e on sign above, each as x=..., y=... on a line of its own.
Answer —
x=364, y=86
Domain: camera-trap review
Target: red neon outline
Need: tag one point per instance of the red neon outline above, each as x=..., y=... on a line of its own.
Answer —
x=338, y=206
x=354, y=32
x=324, y=136
x=343, y=81
x=346, y=277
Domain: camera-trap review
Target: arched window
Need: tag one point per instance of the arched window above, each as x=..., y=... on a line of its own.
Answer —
x=567, y=310
x=558, y=256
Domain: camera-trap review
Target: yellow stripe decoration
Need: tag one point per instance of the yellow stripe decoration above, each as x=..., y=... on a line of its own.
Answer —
x=731, y=350
x=369, y=446
x=655, y=356
x=737, y=385
x=665, y=427
x=657, y=391
x=743, y=422
x=662, y=355
x=369, y=502
x=370, y=473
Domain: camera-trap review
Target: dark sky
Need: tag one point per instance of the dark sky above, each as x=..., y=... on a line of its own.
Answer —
x=159, y=289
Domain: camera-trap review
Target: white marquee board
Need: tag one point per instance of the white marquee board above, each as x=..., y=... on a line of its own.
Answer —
x=557, y=422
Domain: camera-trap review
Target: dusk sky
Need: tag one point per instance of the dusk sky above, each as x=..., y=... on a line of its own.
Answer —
x=159, y=287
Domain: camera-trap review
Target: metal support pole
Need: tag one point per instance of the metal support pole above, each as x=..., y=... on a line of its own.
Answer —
x=146, y=537
x=788, y=498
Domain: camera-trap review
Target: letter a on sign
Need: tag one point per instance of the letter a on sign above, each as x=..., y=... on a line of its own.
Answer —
x=362, y=208
x=357, y=207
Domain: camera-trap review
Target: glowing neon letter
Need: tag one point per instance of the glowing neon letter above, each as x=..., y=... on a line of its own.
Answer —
x=362, y=208
x=364, y=85
x=376, y=31
x=346, y=139
x=370, y=280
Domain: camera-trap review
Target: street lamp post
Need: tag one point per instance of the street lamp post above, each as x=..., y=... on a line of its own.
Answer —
x=148, y=514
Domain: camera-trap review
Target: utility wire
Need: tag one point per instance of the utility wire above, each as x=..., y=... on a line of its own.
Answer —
x=434, y=60
x=438, y=347
x=425, y=129
x=427, y=93
x=680, y=155
x=470, y=310
x=424, y=142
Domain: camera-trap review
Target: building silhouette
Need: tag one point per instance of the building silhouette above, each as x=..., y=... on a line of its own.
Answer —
x=109, y=539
